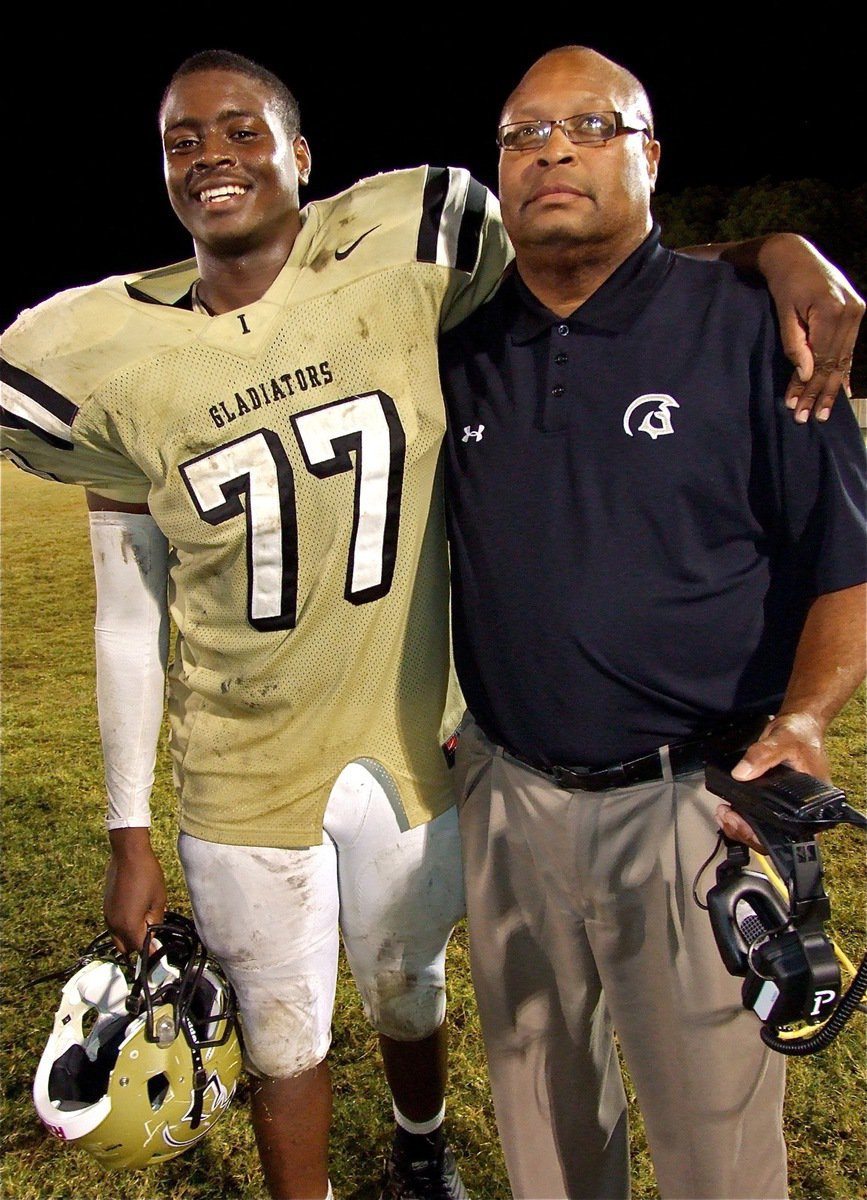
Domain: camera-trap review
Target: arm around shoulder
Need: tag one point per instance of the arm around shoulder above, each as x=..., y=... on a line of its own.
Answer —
x=819, y=311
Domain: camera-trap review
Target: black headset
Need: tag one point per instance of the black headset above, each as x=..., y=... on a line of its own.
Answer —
x=769, y=925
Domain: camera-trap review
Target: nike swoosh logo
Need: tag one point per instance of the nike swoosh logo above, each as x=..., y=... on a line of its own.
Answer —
x=341, y=254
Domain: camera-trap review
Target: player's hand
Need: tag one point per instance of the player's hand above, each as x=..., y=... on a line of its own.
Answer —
x=820, y=314
x=135, y=889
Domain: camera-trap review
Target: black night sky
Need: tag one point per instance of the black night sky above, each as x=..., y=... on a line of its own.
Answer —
x=84, y=193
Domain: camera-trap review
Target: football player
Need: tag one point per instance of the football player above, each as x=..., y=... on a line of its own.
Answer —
x=259, y=430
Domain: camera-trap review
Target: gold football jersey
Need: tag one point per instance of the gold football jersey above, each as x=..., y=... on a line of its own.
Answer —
x=290, y=452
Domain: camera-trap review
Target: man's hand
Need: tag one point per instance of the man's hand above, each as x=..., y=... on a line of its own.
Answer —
x=794, y=739
x=736, y=828
x=820, y=314
x=829, y=666
x=135, y=890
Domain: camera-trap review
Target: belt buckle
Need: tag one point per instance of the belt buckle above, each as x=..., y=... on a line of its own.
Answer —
x=618, y=775
x=582, y=779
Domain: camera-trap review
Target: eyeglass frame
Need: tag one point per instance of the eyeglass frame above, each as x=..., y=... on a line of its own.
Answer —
x=620, y=128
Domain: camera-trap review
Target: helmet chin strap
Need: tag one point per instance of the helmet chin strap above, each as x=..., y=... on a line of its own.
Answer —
x=200, y=1075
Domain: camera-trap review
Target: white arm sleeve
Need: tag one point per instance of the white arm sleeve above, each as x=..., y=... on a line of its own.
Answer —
x=130, y=562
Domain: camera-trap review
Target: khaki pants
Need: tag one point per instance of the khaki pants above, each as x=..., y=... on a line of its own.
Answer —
x=582, y=922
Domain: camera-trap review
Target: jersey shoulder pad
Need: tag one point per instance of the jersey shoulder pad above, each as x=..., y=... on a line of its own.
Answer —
x=424, y=214
x=449, y=210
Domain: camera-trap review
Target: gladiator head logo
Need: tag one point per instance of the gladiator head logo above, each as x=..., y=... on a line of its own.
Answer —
x=657, y=420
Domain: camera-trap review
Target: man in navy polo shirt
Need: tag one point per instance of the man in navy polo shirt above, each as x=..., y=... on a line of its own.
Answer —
x=650, y=559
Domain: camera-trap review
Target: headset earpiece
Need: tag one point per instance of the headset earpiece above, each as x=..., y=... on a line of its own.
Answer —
x=743, y=908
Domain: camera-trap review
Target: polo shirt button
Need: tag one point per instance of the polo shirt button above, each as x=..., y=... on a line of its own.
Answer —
x=561, y=358
x=558, y=390
x=562, y=330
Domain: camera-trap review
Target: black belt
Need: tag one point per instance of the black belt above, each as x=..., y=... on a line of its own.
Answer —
x=685, y=757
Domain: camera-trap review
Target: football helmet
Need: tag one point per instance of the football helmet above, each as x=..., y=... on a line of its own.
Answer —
x=144, y=1056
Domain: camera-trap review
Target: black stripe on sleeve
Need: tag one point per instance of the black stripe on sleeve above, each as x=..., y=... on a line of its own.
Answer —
x=471, y=227
x=20, y=461
x=43, y=395
x=11, y=421
x=436, y=190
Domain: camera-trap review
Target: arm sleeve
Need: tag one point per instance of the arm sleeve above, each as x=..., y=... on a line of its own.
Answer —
x=130, y=557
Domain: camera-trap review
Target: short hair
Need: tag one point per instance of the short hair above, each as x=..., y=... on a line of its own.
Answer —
x=228, y=60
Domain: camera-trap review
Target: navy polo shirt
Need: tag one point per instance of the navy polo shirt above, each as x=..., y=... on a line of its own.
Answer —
x=637, y=523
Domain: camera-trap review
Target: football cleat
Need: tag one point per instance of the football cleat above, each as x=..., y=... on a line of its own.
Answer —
x=433, y=1178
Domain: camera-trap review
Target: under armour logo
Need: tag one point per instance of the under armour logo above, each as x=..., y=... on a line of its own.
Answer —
x=469, y=432
x=657, y=422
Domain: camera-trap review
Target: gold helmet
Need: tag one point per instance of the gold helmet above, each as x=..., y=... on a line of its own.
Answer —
x=143, y=1059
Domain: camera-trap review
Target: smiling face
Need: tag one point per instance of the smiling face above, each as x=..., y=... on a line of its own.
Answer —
x=232, y=168
x=566, y=195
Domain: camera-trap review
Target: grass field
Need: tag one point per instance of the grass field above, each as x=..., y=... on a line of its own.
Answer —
x=54, y=858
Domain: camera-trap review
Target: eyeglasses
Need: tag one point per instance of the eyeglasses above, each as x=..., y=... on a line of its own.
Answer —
x=584, y=129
